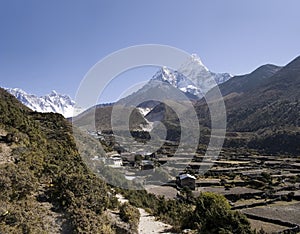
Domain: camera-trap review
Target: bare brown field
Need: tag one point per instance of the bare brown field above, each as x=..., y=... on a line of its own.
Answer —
x=288, y=212
x=166, y=191
x=267, y=227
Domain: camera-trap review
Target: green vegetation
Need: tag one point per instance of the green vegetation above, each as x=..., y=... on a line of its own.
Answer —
x=47, y=166
x=131, y=215
x=208, y=213
x=167, y=210
x=212, y=214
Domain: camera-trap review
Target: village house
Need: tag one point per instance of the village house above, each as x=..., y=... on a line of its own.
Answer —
x=186, y=180
x=114, y=161
x=146, y=165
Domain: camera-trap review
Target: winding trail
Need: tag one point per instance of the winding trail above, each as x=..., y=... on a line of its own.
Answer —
x=147, y=223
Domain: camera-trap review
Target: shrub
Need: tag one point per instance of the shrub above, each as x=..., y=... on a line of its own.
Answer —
x=130, y=214
x=212, y=214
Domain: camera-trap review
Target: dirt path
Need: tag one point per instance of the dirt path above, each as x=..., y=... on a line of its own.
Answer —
x=147, y=223
x=54, y=222
x=5, y=150
x=5, y=154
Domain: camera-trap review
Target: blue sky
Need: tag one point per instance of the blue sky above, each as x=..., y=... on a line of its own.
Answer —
x=46, y=45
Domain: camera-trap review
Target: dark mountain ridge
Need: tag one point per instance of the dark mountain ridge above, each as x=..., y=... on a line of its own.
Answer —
x=265, y=102
x=245, y=83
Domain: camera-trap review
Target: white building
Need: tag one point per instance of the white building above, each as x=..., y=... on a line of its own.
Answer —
x=114, y=162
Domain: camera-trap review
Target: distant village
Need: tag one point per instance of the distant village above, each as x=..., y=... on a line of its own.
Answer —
x=257, y=185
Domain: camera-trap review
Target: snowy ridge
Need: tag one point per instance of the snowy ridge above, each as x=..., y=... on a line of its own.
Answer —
x=192, y=77
x=53, y=102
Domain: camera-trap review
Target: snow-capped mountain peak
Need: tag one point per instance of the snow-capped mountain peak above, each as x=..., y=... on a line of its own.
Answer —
x=192, y=77
x=54, y=102
x=196, y=59
x=169, y=76
x=16, y=90
x=53, y=93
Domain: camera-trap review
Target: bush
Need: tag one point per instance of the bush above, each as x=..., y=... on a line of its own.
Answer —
x=208, y=213
x=130, y=214
x=212, y=214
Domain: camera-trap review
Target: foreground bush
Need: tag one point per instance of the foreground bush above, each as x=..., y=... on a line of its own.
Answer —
x=131, y=215
x=208, y=213
x=212, y=214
